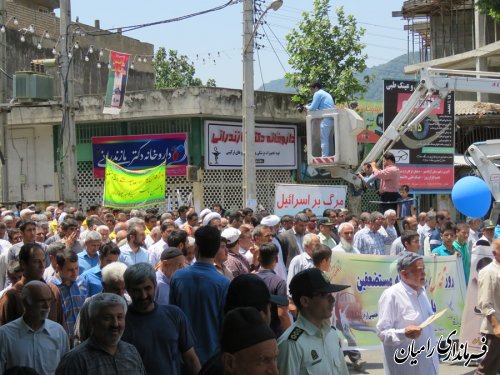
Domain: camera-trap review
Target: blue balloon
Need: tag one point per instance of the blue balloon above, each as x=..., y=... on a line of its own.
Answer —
x=471, y=196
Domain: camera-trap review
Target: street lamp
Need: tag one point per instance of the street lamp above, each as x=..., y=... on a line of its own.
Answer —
x=248, y=101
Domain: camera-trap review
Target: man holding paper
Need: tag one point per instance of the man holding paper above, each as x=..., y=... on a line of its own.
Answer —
x=402, y=309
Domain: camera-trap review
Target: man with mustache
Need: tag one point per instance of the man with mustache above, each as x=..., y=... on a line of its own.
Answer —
x=161, y=333
x=103, y=353
x=346, y=233
x=33, y=340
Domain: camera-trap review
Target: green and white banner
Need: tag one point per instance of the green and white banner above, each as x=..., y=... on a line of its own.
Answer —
x=356, y=308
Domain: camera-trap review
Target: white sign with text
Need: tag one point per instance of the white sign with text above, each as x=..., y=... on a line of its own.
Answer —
x=275, y=146
x=291, y=199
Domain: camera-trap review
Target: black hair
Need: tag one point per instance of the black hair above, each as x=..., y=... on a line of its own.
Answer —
x=177, y=237
x=107, y=249
x=268, y=253
x=67, y=255
x=320, y=254
x=207, y=239
x=390, y=156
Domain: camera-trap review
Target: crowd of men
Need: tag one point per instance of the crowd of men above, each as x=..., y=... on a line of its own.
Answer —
x=215, y=292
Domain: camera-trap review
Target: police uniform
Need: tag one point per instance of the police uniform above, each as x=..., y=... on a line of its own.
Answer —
x=306, y=349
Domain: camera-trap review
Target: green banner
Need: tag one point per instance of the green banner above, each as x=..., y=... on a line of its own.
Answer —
x=129, y=189
x=356, y=308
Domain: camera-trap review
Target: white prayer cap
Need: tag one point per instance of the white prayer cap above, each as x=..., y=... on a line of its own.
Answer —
x=231, y=235
x=209, y=217
x=270, y=220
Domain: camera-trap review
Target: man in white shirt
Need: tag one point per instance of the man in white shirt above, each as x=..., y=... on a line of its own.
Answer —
x=133, y=251
x=33, y=340
x=402, y=307
x=489, y=304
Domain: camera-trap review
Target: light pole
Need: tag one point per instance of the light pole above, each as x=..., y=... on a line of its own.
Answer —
x=248, y=107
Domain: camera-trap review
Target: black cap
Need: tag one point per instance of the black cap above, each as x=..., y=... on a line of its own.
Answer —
x=312, y=281
x=244, y=327
x=250, y=290
x=325, y=221
x=170, y=253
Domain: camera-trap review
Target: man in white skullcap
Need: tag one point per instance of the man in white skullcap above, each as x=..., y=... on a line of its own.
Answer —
x=273, y=222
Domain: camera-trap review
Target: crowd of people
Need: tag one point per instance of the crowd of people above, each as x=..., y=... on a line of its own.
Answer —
x=216, y=292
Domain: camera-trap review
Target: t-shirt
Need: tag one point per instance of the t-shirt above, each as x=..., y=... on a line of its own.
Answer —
x=200, y=291
x=160, y=336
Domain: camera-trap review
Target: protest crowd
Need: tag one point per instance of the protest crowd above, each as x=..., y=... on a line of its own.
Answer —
x=218, y=292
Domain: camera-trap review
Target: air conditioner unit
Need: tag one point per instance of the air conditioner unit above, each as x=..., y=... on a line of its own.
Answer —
x=33, y=86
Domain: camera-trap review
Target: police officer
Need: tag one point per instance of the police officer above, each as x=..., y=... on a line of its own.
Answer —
x=311, y=345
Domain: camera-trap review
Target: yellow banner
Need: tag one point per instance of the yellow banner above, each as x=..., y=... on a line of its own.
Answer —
x=127, y=189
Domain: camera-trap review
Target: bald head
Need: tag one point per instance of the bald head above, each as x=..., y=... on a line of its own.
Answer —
x=34, y=289
x=36, y=297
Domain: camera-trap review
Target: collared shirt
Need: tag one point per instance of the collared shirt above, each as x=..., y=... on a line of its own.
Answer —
x=162, y=293
x=280, y=268
x=399, y=307
x=435, y=240
x=370, y=242
x=129, y=257
x=464, y=254
x=328, y=241
x=443, y=251
x=72, y=299
x=155, y=251
x=92, y=280
x=85, y=262
x=200, y=291
x=389, y=179
x=305, y=349
x=299, y=238
x=180, y=222
x=489, y=294
x=41, y=349
x=49, y=273
x=321, y=100
x=237, y=264
x=90, y=358
x=299, y=263
x=397, y=247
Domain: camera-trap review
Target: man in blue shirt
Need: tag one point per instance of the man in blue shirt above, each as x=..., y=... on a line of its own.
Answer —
x=200, y=291
x=323, y=100
x=92, y=278
x=88, y=258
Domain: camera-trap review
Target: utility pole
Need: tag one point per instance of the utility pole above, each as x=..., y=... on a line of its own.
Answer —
x=248, y=110
x=67, y=152
x=3, y=99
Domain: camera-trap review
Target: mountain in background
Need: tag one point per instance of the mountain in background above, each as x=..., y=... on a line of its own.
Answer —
x=391, y=70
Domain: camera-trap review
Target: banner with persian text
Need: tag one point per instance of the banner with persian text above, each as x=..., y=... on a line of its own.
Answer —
x=424, y=155
x=356, y=308
x=275, y=146
x=117, y=82
x=128, y=189
x=141, y=152
x=293, y=198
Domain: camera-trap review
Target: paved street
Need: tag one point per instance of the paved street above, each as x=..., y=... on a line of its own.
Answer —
x=373, y=366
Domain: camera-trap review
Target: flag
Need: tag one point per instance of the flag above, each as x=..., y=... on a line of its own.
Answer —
x=117, y=82
x=127, y=189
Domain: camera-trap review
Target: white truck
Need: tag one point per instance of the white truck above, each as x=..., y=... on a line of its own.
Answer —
x=434, y=86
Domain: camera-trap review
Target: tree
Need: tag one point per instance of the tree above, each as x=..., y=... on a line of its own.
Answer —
x=330, y=54
x=489, y=7
x=175, y=70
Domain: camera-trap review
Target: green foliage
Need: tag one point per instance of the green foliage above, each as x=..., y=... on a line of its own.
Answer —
x=490, y=7
x=326, y=52
x=175, y=70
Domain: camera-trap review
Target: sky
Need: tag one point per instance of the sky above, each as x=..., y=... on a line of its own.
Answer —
x=214, y=42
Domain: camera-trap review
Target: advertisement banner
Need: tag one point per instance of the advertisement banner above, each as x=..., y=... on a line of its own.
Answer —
x=423, y=155
x=275, y=146
x=117, y=82
x=356, y=308
x=127, y=189
x=141, y=151
x=291, y=199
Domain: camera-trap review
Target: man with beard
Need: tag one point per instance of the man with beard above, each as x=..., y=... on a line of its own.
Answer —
x=104, y=353
x=291, y=240
x=346, y=233
x=33, y=340
x=133, y=251
x=311, y=345
x=161, y=333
